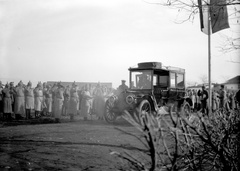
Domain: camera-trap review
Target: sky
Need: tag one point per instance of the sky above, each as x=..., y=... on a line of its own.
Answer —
x=98, y=40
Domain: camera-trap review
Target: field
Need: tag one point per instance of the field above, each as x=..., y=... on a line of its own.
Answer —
x=77, y=145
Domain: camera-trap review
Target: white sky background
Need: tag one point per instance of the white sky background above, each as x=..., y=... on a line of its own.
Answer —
x=98, y=40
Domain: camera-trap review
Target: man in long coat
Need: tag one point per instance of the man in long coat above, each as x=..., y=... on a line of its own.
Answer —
x=29, y=98
x=73, y=102
x=58, y=102
x=204, y=98
x=1, y=97
x=48, y=100
x=7, y=102
x=223, y=98
x=66, y=96
x=98, y=102
x=86, y=102
x=19, y=105
x=38, y=100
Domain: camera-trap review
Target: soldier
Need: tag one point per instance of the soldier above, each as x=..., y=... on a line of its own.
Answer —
x=38, y=92
x=12, y=95
x=48, y=100
x=29, y=97
x=204, y=98
x=215, y=101
x=44, y=106
x=58, y=102
x=237, y=98
x=86, y=102
x=66, y=96
x=98, y=101
x=223, y=98
x=19, y=105
x=7, y=102
x=73, y=102
x=1, y=97
x=122, y=87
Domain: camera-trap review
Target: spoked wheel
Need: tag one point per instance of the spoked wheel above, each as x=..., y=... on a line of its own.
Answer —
x=144, y=108
x=109, y=114
x=186, y=109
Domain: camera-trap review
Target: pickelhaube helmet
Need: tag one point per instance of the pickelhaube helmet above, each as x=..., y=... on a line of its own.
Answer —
x=39, y=84
x=20, y=83
x=29, y=83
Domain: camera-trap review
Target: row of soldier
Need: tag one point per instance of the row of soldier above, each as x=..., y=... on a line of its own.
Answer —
x=220, y=99
x=54, y=101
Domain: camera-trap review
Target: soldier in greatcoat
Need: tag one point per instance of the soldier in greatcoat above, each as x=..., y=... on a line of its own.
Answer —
x=29, y=99
x=48, y=100
x=58, y=102
x=98, y=101
x=38, y=99
x=44, y=106
x=86, y=102
x=12, y=95
x=7, y=102
x=223, y=98
x=73, y=102
x=66, y=96
x=19, y=105
x=1, y=97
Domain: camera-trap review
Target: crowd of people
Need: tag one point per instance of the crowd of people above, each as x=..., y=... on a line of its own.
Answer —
x=27, y=102
x=220, y=99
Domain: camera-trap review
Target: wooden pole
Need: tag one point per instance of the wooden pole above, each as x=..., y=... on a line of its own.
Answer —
x=209, y=63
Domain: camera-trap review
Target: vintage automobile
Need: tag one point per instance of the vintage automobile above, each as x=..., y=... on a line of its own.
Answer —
x=152, y=86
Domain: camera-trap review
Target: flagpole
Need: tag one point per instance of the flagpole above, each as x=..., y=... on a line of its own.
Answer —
x=209, y=63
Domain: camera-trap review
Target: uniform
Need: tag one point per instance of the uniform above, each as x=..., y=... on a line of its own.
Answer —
x=19, y=105
x=73, y=102
x=85, y=103
x=29, y=100
x=58, y=102
x=7, y=102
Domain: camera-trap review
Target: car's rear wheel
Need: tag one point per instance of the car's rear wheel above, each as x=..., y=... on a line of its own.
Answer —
x=109, y=114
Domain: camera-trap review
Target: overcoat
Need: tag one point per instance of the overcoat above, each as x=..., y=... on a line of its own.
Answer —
x=38, y=99
x=7, y=100
x=49, y=100
x=73, y=102
x=58, y=102
x=29, y=98
x=19, y=105
x=85, y=103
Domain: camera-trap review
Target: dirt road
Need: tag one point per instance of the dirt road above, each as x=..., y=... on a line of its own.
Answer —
x=78, y=145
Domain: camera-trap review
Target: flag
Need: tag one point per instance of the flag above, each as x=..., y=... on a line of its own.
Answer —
x=218, y=15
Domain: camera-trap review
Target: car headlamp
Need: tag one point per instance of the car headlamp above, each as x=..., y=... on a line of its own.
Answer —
x=129, y=99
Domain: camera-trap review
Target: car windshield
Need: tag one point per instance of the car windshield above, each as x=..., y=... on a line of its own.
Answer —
x=141, y=79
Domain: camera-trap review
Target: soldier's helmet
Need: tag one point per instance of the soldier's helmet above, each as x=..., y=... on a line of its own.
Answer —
x=29, y=84
x=20, y=83
x=39, y=84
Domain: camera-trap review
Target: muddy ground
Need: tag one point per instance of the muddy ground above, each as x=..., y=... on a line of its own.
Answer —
x=77, y=145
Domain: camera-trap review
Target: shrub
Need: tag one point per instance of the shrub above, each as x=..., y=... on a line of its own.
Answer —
x=183, y=141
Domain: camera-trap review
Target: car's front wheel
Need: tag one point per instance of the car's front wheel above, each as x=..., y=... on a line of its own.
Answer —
x=186, y=109
x=144, y=108
x=109, y=114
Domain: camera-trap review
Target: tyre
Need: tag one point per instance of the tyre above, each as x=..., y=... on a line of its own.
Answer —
x=145, y=107
x=186, y=108
x=109, y=114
